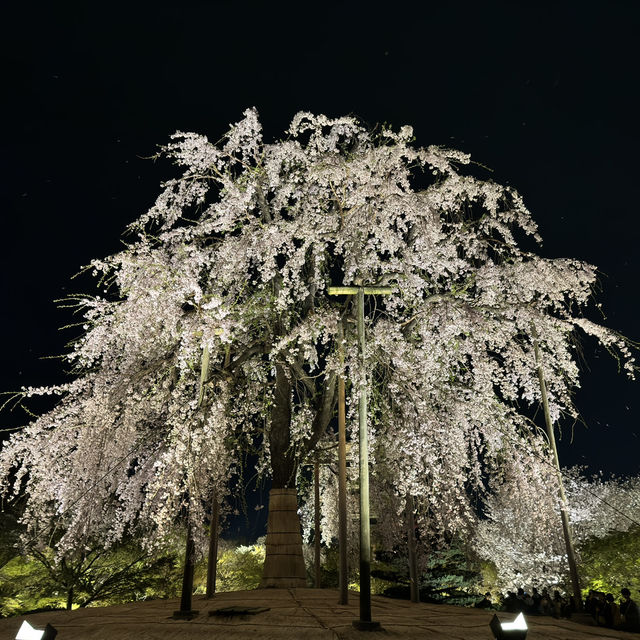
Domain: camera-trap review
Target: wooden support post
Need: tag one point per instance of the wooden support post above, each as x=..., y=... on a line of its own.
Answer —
x=187, y=576
x=566, y=529
x=365, y=523
x=212, y=561
x=343, y=575
x=411, y=546
x=316, y=520
x=186, y=612
x=364, y=623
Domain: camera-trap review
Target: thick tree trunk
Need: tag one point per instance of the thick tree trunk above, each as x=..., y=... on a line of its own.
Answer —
x=283, y=458
x=284, y=564
x=343, y=573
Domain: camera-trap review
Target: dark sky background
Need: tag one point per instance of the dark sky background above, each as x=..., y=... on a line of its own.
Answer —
x=546, y=94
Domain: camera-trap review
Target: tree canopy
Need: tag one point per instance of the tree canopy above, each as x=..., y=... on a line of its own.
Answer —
x=213, y=333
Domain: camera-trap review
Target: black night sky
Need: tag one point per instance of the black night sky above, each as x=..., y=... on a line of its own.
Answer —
x=546, y=94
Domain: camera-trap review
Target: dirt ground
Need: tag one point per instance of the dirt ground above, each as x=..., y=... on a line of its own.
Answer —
x=305, y=614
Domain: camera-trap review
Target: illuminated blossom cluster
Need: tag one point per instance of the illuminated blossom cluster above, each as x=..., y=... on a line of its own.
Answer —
x=216, y=333
x=520, y=533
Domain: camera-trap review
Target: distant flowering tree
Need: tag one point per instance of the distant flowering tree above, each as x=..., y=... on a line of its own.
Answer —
x=520, y=533
x=217, y=332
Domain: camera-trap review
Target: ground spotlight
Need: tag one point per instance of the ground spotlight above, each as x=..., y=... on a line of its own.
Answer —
x=516, y=630
x=27, y=632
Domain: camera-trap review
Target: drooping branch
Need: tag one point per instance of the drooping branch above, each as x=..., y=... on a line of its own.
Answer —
x=324, y=412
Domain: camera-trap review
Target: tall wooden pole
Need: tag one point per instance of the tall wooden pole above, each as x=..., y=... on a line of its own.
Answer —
x=343, y=577
x=187, y=576
x=364, y=623
x=365, y=533
x=411, y=546
x=212, y=561
x=573, y=566
x=316, y=520
x=185, y=611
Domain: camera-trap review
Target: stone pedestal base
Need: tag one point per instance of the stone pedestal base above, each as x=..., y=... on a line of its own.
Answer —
x=284, y=565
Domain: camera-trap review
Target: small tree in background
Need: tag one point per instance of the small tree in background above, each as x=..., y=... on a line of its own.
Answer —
x=520, y=536
x=95, y=577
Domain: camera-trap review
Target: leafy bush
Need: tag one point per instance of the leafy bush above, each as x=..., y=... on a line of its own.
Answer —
x=22, y=588
x=612, y=562
x=240, y=568
x=448, y=577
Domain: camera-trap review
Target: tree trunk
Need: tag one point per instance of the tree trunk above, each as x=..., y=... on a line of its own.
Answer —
x=284, y=564
x=284, y=465
x=69, y=598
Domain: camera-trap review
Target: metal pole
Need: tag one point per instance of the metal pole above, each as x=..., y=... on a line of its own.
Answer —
x=342, y=480
x=316, y=519
x=573, y=566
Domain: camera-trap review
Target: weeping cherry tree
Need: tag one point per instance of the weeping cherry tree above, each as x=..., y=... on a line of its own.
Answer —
x=216, y=336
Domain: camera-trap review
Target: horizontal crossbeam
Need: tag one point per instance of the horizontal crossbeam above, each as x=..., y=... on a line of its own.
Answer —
x=349, y=291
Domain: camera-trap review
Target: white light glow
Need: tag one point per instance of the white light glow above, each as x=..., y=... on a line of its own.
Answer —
x=519, y=623
x=27, y=632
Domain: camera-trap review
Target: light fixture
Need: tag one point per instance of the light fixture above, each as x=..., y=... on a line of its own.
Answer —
x=27, y=632
x=516, y=630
